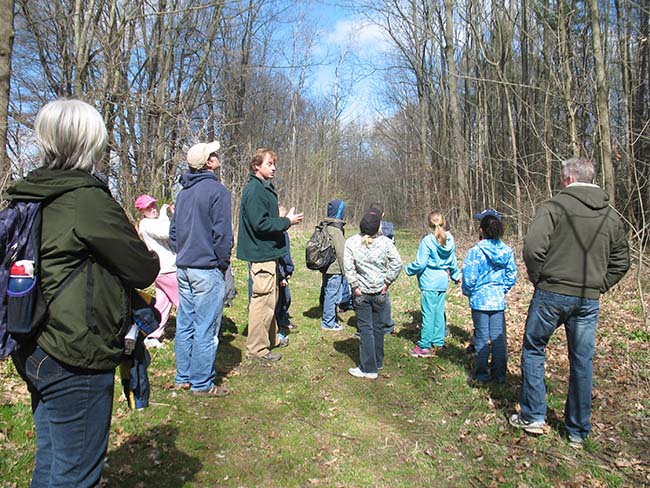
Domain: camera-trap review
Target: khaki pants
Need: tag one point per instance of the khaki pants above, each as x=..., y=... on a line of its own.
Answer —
x=262, y=328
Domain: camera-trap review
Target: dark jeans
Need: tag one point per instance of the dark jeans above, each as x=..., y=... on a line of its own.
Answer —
x=389, y=323
x=72, y=414
x=547, y=311
x=490, y=337
x=282, y=307
x=370, y=311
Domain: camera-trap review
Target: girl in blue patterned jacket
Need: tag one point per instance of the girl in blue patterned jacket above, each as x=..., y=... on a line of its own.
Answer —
x=434, y=265
x=489, y=271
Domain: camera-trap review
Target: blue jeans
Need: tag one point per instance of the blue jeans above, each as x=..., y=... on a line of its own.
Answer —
x=346, y=296
x=369, y=310
x=547, y=311
x=72, y=414
x=490, y=333
x=332, y=285
x=201, y=293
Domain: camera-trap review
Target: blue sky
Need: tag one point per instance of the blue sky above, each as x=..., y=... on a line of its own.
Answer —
x=359, y=42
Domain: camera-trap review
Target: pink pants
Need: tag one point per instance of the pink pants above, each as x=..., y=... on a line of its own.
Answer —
x=166, y=295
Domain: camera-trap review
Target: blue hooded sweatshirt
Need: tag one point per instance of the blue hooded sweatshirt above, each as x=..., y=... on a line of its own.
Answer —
x=201, y=227
x=489, y=271
x=434, y=264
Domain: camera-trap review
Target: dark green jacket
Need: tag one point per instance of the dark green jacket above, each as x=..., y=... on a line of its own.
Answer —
x=261, y=228
x=576, y=244
x=88, y=243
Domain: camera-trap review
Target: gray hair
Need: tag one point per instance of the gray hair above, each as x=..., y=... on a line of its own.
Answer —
x=70, y=134
x=581, y=169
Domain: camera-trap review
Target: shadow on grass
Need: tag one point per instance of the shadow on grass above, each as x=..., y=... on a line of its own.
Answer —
x=349, y=347
x=227, y=325
x=150, y=459
x=228, y=357
x=313, y=313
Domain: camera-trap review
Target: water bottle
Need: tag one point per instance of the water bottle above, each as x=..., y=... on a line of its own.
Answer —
x=21, y=277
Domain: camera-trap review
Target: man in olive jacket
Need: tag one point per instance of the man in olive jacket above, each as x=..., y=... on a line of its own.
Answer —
x=575, y=249
x=261, y=242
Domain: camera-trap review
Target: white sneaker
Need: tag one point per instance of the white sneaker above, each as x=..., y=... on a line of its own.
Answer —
x=356, y=372
x=152, y=343
x=530, y=426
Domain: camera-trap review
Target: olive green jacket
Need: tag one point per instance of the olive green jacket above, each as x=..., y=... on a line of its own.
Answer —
x=576, y=245
x=91, y=257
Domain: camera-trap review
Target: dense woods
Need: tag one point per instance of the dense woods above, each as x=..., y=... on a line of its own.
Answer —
x=476, y=102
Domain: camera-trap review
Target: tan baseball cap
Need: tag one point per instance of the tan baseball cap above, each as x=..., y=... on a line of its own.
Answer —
x=199, y=153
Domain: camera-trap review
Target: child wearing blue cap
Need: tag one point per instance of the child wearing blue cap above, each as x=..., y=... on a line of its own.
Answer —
x=489, y=272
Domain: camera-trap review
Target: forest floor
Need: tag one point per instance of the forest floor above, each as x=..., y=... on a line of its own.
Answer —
x=304, y=421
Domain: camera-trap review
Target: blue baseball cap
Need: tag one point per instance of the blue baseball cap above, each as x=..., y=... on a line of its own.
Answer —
x=486, y=212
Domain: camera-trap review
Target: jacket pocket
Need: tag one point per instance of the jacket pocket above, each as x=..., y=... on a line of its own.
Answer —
x=264, y=277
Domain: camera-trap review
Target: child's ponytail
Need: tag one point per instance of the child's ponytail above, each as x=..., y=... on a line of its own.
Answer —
x=437, y=225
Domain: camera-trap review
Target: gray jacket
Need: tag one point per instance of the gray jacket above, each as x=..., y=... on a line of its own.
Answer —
x=371, y=267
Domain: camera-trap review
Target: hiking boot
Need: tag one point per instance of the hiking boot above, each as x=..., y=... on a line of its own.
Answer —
x=357, y=373
x=419, y=352
x=269, y=357
x=213, y=391
x=530, y=426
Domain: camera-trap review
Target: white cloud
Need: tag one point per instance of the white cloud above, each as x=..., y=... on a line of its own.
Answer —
x=358, y=34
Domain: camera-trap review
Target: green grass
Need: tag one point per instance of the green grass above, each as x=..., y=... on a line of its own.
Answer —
x=305, y=422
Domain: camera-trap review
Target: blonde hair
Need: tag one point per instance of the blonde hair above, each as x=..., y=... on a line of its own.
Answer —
x=437, y=224
x=70, y=134
x=366, y=240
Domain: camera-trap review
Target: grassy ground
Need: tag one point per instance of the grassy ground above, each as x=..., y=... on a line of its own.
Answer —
x=305, y=422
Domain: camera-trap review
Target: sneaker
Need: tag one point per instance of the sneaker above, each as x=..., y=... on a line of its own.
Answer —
x=213, y=391
x=418, y=352
x=291, y=326
x=529, y=426
x=152, y=343
x=357, y=373
x=182, y=386
x=283, y=341
x=334, y=327
x=576, y=442
x=270, y=357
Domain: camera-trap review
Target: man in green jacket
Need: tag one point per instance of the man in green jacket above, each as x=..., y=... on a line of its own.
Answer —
x=575, y=249
x=261, y=242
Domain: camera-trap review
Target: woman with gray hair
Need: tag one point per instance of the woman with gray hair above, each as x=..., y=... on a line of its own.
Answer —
x=90, y=258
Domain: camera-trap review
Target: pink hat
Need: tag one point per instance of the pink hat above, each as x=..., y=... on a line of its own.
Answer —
x=143, y=201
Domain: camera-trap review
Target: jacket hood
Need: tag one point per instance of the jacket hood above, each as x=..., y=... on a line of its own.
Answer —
x=591, y=196
x=45, y=183
x=443, y=251
x=336, y=209
x=495, y=251
x=191, y=178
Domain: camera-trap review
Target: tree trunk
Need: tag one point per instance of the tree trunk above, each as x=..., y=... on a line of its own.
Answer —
x=6, y=45
x=602, y=103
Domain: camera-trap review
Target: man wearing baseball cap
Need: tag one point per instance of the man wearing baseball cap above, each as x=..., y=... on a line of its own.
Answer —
x=201, y=232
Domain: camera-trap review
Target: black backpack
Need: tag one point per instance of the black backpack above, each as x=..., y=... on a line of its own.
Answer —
x=22, y=311
x=319, y=251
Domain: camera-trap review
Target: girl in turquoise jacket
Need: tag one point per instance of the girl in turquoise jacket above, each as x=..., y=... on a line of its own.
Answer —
x=434, y=265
